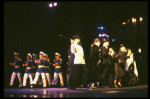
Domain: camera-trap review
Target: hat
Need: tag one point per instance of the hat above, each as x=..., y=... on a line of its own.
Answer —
x=121, y=45
x=105, y=41
x=34, y=55
x=29, y=55
x=45, y=54
x=76, y=36
x=16, y=54
x=41, y=53
x=97, y=40
x=57, y=54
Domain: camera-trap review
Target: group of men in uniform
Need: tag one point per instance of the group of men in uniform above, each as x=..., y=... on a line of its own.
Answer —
x=35, y=67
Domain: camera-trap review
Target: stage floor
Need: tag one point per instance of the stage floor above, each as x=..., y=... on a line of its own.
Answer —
x=140, y=91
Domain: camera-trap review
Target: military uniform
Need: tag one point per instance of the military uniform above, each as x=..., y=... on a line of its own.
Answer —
x=28, y=65
x=40, y=70
x=58, y=71
x=47, y=70
x=34, y=66
x=17, y=70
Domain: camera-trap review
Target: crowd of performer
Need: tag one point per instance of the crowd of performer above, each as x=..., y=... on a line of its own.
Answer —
x=104, y=63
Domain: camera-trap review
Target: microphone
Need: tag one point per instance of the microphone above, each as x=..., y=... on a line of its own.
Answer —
x=64, y=37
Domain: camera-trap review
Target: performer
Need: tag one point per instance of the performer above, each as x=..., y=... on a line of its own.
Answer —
x=131, y=63
x=105, y=64
x=76, y=75
x=40, y=70
x=58, y=70
x=34, y=65
x=122, y=56
x=131, y=69
x=27, y=65
x=47, y=65
x=94, y=62
x=68, y=71
x=113, y=64
x=71, y=60
x=17, y=71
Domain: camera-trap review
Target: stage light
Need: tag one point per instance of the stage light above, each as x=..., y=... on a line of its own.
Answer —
x=139, y=50
x=113, y=40
x=133, y=20
x=55, y=4
x=100, y=35
x=124, y=23
x=50, y=5
x=102, y=28
x=140, y=18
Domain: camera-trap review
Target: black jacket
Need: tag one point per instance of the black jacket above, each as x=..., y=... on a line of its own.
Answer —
x=95, y=54
x=122, y=56
x=105, y=56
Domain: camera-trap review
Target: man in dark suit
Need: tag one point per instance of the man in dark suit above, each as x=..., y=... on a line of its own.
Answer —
x=105, y=64
x=122, y=56
x=94, y=62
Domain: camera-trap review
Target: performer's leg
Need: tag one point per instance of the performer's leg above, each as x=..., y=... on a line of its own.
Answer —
x=30, y=77
x=36, y=78
x=119, y=82
x=67, y=79
x=84, y=75
x=43, y=79
x=20, y=80
x=12, y=78
x=55, y=79
x=61, y=79
x=103, y=76
x=48, y=78
x=25, y=79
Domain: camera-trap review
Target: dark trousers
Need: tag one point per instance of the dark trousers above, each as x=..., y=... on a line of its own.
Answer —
x=106, y=76
x=93, y=74
x=78, y=75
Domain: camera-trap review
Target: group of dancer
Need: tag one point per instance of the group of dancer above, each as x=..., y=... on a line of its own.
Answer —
x=96, y=73
x=35, y=67
x=103, y=64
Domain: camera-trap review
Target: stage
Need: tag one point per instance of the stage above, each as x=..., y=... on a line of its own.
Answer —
x=140, y=91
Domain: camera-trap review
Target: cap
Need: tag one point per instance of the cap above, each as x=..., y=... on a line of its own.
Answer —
x=97, y=40
x=45, y=54
x=105, y=41
x=34, y=55
x=57, y=54
x=29, y=55
x=16, y=54
x=121, y=45
x=41, y=53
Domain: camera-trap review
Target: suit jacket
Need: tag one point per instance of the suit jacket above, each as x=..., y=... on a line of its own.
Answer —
x=105, y=56
x=95, y=54
x=122, y=56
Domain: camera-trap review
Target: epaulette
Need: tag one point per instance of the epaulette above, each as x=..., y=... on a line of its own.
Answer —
x=19, y=59
x=60, y=59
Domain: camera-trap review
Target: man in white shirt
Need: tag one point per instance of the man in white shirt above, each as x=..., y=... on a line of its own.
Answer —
x=76, y=72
